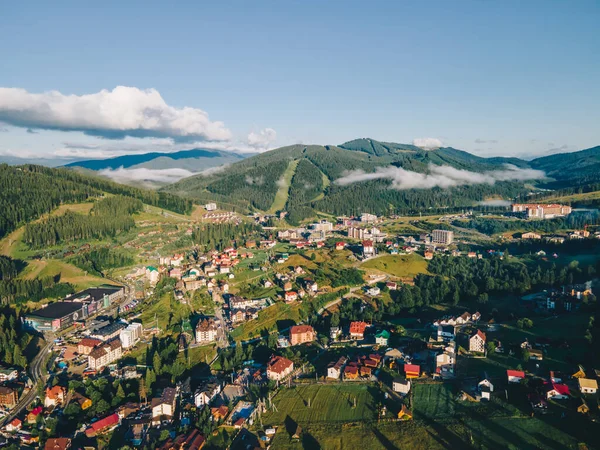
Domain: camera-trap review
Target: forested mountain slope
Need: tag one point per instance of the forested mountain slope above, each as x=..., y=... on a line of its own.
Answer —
x=27, y=192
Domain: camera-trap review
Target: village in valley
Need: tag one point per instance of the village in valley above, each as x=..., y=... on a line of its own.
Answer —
x=234, y=331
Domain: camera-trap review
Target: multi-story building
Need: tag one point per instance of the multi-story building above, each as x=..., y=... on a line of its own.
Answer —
x=211, y=206
x=322, y=225
x=86, y=345
x=357, y=233
x=443, y=237
x=477, y=342
x=109, y=331
x=163, y=407
x=300, y=334
x=541, y=211
x=105, y=354
x=8, y=374
x=131, y=335
x=8, y=396
x=206, y=331
x=368, y=218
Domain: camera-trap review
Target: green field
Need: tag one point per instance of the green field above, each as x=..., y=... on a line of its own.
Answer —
x=328, y=403
x=281, y=196
x=268, y=319
x=433, y=400
x=401, y=266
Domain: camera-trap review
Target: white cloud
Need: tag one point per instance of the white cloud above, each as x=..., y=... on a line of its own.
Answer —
x=257, y=181
x=124, y=111
x=263, y=138
x=439, y=176
x=427, y=143
x=143, y=175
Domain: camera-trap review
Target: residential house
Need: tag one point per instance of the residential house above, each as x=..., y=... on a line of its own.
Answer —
x=340, y=245
x=587, y=385
x=515, y=376
x=193, y=285
x=84, y=402
x=290, y=296
x=175, y=273
x=401, y=385
x=278, y=368
x=382, y=338
x=334, y=333
x=103, y=425
x=412, y=370
x=477, y=342
x=219, y=413
x=32, y=416
x=8, y=396
x=391, y=285
x=405, y=413
x=357, y=330
x=428, y=255
x=206, y=331
x=583, y=408
x=58, y=444
x=287, y=286
x=536, y=355
x=152, y=274
x=368, y=248
x=54, y=396
x=351, y=371
x=373, y=291
x=557, y=391
x=14, y=425
x=531, y=235
x=300, y=334
x=311, y=286
x=334, y=370
x=163, y=407
x=444, y=363
x=463, y=319
x=486, y=388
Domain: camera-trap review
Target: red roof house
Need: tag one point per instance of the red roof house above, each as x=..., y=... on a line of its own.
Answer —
x=412, y=370
x=357, y=329
x=515, y=376
x=102, y=425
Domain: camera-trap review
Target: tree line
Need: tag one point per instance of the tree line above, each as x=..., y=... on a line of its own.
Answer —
x=219, y=236
x=97, y=260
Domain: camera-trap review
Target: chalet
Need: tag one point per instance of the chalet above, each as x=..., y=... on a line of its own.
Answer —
x=279, y=367
x=382, y=338
x=587, y=385
x=33, y=415
x=103, y=425
x=298, y=270
x=219, y=413
x=401, y=385
x=311, y=286
x=475, y=317
x=163, y=407
x=14, y=425
x=84, y=402
x=404, y=413
x=580, y=373
x=471, y=255
x=287, y=286
x=237, y=316
x=531, y=235
x=300, y=334
x=464, y=318
x=54, y=396
x=334, y=371
x=536, y=355
x=515, y=376
x=340, y=245
x=391, y=285
x=557, y=391
x=58, y=444
x=351, y=372
x=477, y=342
x=175, y=273
x=334, y=333
x=412, y=370
x=357, y=330
x=291, y=296
x=428, y=255
x=444, y=363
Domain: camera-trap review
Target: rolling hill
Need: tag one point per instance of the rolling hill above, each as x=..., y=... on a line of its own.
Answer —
x=303, y=178
x=194, y=160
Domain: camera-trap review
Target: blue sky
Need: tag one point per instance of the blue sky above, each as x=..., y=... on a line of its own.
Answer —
x=494, y=78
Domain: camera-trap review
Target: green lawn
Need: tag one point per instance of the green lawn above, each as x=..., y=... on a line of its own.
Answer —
x=328, y=403
x=401, y=266
x=268, y=319
x=433, y=400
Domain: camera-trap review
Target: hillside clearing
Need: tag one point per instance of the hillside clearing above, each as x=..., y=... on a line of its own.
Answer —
x=281, y=197
x=400, y=266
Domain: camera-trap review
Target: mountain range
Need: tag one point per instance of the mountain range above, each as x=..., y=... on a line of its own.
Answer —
x=380, y=177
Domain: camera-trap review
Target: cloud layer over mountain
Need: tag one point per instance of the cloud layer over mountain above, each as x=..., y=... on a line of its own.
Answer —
x=124, y=111
x=439, y=176
x=143, y=175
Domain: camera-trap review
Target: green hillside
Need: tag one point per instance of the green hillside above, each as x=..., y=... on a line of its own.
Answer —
x=260, y=183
